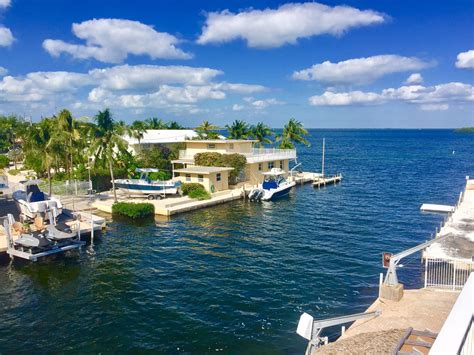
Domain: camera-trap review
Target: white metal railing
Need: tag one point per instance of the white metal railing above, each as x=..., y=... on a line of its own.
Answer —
x=457, y=334
x=447, y=274
x=256, y=155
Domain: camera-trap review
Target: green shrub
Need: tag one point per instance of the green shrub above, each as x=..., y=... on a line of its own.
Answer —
x=236, y=161
x=195, y=190
x=186, y=188
x=13, y=171
x=133, y=210
x=200, y=194
x=4, y=161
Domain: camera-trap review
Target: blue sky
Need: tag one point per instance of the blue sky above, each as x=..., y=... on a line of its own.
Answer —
x=328, y=64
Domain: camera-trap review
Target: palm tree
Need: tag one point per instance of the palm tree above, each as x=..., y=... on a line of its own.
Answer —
x=40, y=140
x=155, y=123
x=136, y=130
x=238, y=130
x=261, y=132
x=174, y=125
x=107, y=139
x=293, y=132
x=207, y=130
x=69, y=132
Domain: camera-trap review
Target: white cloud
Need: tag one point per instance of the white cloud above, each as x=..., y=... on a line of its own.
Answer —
x=414, y=78
x=148, y=76
x=4, y=4
x=465, y=60
x=437, y=97
x=112, y=40
x=275, y=27
x=237, y=107
x=124, y=86
x=359, y=70
x=6, y=37
x=3, y=71
x=262, y=104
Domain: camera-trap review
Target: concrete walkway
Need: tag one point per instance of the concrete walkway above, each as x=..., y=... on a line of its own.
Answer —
x=173, y=205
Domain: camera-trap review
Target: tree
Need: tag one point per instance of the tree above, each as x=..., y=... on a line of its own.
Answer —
x=261, y=132
x=68, y=132
x=15, y=155
x=107, y=139
x=40, y=141
x=238, y=130
x=293, y=132
x=206, y=130
x=174, y=125
x=155, y=123
x=137, y=130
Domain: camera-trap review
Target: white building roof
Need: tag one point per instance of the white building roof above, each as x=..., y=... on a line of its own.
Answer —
x=163, y=136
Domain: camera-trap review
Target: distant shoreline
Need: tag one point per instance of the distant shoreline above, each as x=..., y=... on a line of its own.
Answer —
x=464, y=130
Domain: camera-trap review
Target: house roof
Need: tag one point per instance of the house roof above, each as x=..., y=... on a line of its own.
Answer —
x=204, y=170
x=163, y=136
x=222, y=141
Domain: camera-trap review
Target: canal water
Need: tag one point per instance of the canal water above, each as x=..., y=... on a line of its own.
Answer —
x=235, y=278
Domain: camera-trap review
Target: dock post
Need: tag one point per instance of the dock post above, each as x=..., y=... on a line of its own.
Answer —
x=322, y=164
x=92, y=230
x=380, y=283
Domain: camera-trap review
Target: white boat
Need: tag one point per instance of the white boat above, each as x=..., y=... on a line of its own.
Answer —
x=274, y=186
x=145, y=186
x=33, y=202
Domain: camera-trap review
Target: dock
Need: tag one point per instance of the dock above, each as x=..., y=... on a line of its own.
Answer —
x=324, y=180
x=428, y=207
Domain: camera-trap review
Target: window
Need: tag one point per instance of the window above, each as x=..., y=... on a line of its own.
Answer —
x=231, y=145
x=271, y=164
x=200, y=178
x=176, y=174
x=281, y=164
x=218, y=177
x=211, y=146
x=188, y=177
x=260, y=167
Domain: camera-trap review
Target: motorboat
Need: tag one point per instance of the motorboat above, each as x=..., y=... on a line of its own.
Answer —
x=273, y=187
x=32, y=202
x=145, y=186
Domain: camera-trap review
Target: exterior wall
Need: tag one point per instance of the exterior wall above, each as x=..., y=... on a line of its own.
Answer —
x=220, y=185
x=195, y=179
x=254, y=174
x=208, y=180
x=194, y=147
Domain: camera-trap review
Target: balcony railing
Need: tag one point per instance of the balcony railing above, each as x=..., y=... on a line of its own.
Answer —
x=257, y=154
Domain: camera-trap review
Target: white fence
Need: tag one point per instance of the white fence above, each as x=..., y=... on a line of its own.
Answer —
x=457, y=334
x=447, y=274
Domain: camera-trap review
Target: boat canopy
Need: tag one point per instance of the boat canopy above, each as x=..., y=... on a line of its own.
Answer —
x=274, y=172
x=31, y=182
x=147, y=170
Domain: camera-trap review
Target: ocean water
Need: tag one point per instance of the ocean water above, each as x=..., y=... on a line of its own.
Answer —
x=235, y=278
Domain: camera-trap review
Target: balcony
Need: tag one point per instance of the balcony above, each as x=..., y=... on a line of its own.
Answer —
x=256, y=156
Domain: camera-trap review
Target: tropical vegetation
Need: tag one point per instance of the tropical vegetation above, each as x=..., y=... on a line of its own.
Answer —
x=207, y=130
x=235, y=161
x=195, y=190
x=133, y=210
x=293, y=133
x=238, y=130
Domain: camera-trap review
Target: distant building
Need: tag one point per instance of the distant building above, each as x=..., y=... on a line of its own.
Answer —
x=259, y=160
x=160, y=137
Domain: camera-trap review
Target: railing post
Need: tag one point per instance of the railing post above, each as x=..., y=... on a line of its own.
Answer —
x=454, y=275
x=426, y=272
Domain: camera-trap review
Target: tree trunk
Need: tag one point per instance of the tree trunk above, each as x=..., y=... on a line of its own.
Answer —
x=112, y=177
x=49, y=181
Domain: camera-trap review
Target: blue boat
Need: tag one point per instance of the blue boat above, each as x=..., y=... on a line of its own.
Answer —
x=273, y=187
x=145, y=186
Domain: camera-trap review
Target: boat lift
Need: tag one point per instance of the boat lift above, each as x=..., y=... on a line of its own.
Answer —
x=391, y=278
x=33, y=254
x=310, y=329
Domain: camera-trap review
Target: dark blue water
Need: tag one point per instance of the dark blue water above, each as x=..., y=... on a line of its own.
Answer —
x=235, y=278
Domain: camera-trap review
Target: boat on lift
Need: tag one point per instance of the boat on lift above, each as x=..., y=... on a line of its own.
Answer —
x=32, y=202
x=145, y=186
x=273, y=187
